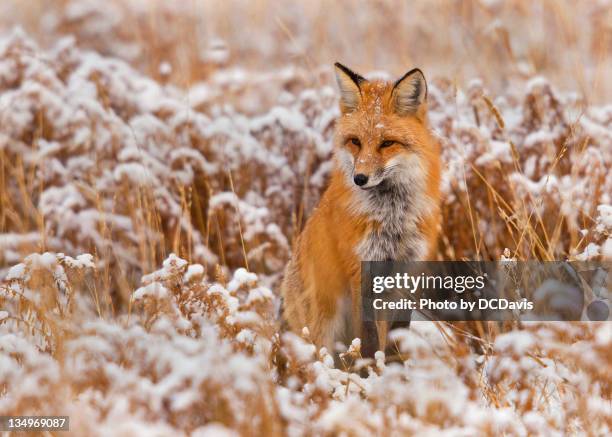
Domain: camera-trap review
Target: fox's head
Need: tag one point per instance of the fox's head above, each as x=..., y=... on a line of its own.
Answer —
x=382, y=136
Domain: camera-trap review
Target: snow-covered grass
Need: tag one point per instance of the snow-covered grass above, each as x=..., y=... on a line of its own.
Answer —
x=195, y=356
x=146, y=216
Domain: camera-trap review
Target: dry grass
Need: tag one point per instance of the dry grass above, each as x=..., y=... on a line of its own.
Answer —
x=204, y=130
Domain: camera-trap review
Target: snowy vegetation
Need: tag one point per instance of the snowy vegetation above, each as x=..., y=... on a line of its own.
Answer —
x=145, y=221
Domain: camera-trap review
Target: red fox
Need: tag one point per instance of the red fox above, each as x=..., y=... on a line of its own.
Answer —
x=382, y=204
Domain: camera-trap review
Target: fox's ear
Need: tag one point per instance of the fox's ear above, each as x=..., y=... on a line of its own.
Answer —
x=350, y=92
x=409, y=93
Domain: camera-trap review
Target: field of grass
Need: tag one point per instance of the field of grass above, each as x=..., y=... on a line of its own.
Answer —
x=157, y=160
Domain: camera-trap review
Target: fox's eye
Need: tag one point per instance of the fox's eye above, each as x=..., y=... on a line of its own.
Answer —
x=387, y=143
x=355, y=141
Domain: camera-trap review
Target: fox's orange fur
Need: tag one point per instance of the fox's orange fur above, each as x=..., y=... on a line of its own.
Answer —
x=382, y=203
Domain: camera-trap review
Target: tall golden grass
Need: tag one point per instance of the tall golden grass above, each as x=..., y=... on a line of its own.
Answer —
x=203, y=130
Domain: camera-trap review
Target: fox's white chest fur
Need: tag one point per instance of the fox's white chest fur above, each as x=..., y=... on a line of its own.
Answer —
x=398, y=238
x=397, y=205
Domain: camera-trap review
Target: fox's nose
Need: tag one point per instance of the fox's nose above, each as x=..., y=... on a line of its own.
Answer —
x=360, y=179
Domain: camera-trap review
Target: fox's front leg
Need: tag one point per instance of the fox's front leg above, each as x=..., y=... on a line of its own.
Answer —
x=366, y=331
x=373, y=334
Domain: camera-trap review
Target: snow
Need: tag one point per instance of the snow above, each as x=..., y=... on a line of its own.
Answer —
x=16, y=272
x=516, y=342
x=135, y=172
x=259, y=294
x=500, y=151
x=194, y=271
x=165, y=68
x=84, y=260
x=537, y=83
x=604, y=219
x=606, y=249
x=154, y=290
x=241, y=277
